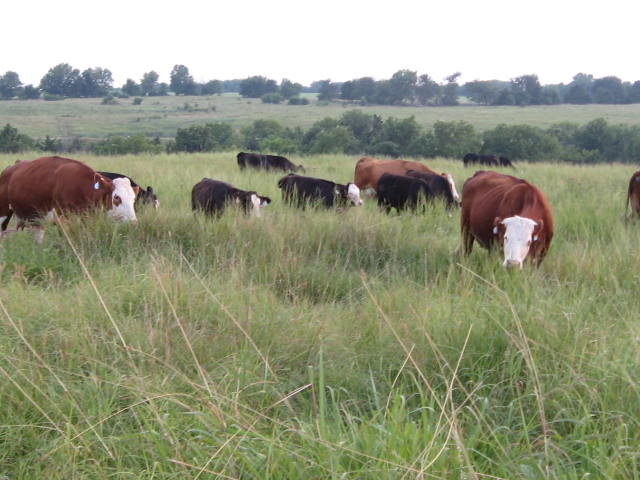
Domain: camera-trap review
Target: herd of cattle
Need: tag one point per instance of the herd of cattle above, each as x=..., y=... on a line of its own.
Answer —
x=496, y=209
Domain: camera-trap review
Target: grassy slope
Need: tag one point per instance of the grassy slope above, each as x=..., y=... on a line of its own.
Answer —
x=320, y=344
x=162, y=116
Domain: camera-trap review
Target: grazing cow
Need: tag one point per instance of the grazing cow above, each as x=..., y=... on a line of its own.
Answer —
x=298, y=190
x=266, y=162
x=505, y=162
x=470, y=158
x=502, y=209
x=143, y=197
x=439, y=186
x=633, y=194
x=369, y=170
x=400, y=192
x=32, y=190
x=212, y=196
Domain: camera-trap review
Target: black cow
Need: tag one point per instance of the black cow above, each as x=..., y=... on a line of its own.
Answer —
x=299, y=191
x=470, y=158
x=400, y=192
x=212, y=196
x=505, y=162
x=439, y=186
x=266, y=162
x=143, y=197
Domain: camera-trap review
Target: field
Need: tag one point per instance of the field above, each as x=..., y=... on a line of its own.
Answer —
x=162, y=116
x=320, y=344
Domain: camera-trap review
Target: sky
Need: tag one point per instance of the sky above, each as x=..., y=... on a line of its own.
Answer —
x=334, y=39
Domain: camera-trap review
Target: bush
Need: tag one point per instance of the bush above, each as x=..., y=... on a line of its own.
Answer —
x=298, y=101
x=122, y=145
x=137, y=101
x=204, y=138
x=109, y=100
x=13, y=142
x=274, y=98
x=522, y=142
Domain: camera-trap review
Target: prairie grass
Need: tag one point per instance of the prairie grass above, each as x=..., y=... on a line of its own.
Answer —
x=320, y=344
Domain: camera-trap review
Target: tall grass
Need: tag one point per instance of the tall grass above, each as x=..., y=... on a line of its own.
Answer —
x=319, y=344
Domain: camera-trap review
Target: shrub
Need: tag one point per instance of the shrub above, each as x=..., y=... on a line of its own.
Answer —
x=274, y=98
x=12, y=142
x=109, y=100
x=204, y=138
x=298, y=101
x=521, y=142
x=137, y=101
x=117, y=145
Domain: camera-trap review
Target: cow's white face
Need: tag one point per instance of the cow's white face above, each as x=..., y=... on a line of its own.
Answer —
x=353, y=193
x=517, y=235
x=452, y=184
x=257, y=202
x=122, y=199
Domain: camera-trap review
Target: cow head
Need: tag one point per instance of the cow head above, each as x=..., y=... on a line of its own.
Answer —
x=452, y=185
x=251, y=202
x=518, y=236
x=147, y=197
x=122, y=200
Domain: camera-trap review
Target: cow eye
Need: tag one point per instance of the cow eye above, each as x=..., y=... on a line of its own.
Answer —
x=117, y=200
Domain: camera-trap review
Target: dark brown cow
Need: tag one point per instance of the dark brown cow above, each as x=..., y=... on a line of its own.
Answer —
x=633, y=194
x=32, y=190
x=369, y=170
x=502, y=209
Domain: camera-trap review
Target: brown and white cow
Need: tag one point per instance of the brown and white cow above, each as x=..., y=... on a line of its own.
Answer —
x=633, y=194
x=33, y=189
x=509, y=211
x=369, y=170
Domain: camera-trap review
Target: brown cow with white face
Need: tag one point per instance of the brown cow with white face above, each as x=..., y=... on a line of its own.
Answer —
x=505, y=210
x=369, y=170
x=32, y=190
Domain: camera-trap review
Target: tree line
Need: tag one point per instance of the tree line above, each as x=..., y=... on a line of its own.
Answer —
x=356, y=133
x=405, y=87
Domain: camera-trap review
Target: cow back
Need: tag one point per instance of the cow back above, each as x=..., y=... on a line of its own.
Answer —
x=57, y=182
x=369, y=170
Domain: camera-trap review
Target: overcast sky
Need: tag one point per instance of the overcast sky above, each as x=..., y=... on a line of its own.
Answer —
x=336, y=39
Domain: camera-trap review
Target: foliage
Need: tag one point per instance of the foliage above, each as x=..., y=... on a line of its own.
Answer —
x=298, y=101
x=273, y=98
x=10, y=85
x=182, y=82
x=13, y=142
x=521, y=142
x=134, y=144
x=257, y=86
x=205, y=138
x=131, y=88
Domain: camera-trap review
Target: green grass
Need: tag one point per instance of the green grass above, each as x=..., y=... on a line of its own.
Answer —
x=162, y=116
x=320, y=344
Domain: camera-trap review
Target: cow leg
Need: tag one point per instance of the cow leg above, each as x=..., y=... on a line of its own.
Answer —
x=38, y=233
x=467, y=241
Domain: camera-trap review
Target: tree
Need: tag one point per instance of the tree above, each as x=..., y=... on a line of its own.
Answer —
x=29, y=92
x=258, y=131
x=204, y=138
x=131, y=88
x=94, y=82
x=577, y=94
x=608, y=90
x=9, y=85
x=13, y=142
x=455, y=139
x=289, y=89
x=481, y=91
x=327, y=90
x=257, y=86
x=403, y=84
x=450, y=90
x=212, y=87
x=149, y=83
x=62, y=79
x=181, y=82
x=527, y=90
x=427, y=90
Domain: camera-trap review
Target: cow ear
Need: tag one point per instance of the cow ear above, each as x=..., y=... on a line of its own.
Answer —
x=99, y=181
x=537, y=229
x=496, y=225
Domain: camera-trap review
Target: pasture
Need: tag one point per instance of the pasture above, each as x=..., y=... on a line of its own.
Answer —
x=162, y=116
x=320, y=344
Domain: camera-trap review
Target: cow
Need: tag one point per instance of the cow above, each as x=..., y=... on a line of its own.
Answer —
x=300, y=191
x=369, y=170
x=505, y=210
x=401, y=191
x=439, y=186
x=505, y=162
x=470, y=158
x=143, y=197
x=266, y=162
x=34, y=189
x=487, y=160
x=633, y=194
x=213, y=196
